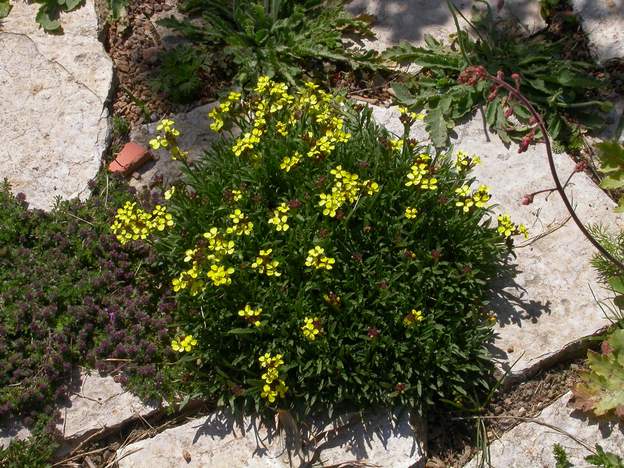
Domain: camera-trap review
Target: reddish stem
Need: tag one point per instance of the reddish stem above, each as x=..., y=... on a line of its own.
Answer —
x=551, y=162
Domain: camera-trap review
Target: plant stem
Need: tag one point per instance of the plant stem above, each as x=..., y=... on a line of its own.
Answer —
x=553, y=170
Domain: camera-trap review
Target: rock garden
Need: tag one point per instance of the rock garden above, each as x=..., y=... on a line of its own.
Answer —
x=301, y=233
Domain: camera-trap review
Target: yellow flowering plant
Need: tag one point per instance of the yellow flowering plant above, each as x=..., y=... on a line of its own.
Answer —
x=298, y=235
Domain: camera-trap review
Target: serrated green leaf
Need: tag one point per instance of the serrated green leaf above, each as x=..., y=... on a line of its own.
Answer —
x=437, y=127
x=602, y=388
x=613, y=181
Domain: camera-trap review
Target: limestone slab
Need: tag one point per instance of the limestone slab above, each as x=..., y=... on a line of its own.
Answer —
x=195, y=137
x=545, y=301
x=409, y=21
x=99, y=403
x=531, y=443
x=54, y=90
x=220, y=441
x=603, y=22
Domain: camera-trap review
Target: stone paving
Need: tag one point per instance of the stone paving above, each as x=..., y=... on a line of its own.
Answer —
x=603, y=22
x=221, y=441
x=399, y=21
x=54, y=115
x=96, y=404
x=530, y=444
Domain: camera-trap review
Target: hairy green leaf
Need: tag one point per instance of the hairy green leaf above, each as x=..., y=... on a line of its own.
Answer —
x=602, y=388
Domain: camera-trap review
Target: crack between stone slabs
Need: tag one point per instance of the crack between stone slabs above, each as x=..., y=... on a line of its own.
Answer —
x=80, y=83
x=570, y=351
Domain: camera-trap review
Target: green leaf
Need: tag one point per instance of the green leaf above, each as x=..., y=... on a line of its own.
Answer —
x=436, y=127
x=45, y=19
x=602, y=388
x=5, y=8
x=611, y=155
x=403, y=94
x=613, y=181
x=617, y=284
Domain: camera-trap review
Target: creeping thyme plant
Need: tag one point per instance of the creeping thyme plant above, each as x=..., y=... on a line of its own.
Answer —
x=319, y=261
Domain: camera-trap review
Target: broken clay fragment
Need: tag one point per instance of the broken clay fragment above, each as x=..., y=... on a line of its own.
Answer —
x=131, y=157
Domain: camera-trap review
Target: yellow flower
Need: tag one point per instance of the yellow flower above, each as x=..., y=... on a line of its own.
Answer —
x=290, y=161
x=220, y=275
x=169, y=193
x=413, y=317
x=429, y=184
x=237, y=195
x=316, y=258
x=311, y=327
x=481, y=196
x=280, y=217
x=263, y=84
x=410, y=213
x=522, y=229
x=463, y=162
x=265, y=265
x=396, y=145
x=237, y=216
x=184, y=344
x=251, y=315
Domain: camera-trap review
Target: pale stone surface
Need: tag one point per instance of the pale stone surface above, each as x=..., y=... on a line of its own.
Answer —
x=13, y=431
x=545, y=304
x=100, y=403
x=219, y=441
x=53, y=90
x=531, y=444
x=196, y=137
x=603, y=22
x=409, y=21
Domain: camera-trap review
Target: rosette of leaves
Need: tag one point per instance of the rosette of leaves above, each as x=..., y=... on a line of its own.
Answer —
x=399, y=317
x=281, y=38
x=602, y=388
x=564, y=91
x=180, y=73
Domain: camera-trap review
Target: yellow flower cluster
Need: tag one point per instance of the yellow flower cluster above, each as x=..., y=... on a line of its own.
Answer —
x=346, y=188
x=311, y=327
x=464, y=163
x=280, y=217
x=467, y=200
x=168, y=139
x=132, y=223
x=413, y=317
x=184, y=344
x=273, y=386
x=207, y=259
x=316, y=258
x=397, y=145
x=507, y=228
x=410, y=213
x=222, y=110
x=264, y=264
x=334, y=134
x=241, y=225
x=419, y=175
x=251, y=315
x=247, y=141
x=411, y=115
x=220, y=275
x=290, y=161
